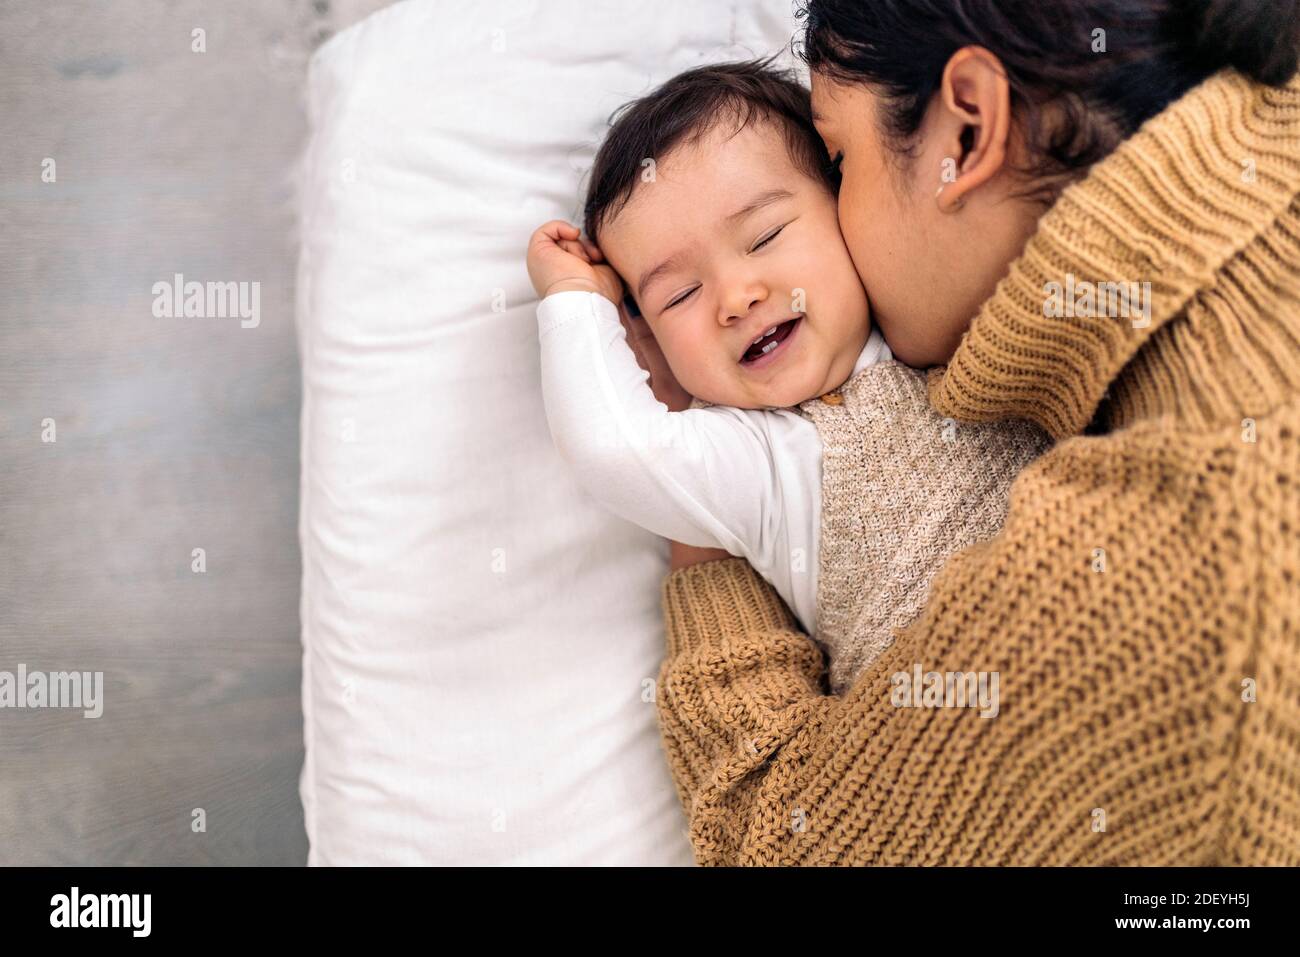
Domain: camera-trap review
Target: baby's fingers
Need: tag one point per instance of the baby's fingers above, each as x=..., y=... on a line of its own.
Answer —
x=575, y=248
x=553, y=233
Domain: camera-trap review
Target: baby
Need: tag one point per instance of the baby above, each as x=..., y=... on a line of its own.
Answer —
x=807, y=450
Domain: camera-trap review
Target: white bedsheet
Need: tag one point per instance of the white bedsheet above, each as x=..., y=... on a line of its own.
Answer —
x=480, y=640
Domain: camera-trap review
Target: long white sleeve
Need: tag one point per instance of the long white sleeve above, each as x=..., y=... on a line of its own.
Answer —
x=744, y=480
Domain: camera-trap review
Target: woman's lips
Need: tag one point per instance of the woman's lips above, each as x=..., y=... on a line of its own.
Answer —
x=782, y=347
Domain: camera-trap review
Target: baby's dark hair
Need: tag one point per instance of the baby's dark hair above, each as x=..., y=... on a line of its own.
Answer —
x=685, y=109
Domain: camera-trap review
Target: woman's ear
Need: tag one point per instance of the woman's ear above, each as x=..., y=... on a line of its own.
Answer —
x=974, y=124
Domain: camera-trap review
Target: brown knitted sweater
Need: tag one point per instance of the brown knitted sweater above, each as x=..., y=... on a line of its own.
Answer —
x=1140, y=606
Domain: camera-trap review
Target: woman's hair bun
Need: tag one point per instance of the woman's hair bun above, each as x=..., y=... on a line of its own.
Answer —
x=1261, y=38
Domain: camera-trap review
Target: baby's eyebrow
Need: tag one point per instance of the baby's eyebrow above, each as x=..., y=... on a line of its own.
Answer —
x=758, y=202
x=765, y=198
x=665, y=266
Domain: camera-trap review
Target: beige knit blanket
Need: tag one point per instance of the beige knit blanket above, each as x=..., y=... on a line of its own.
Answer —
x=903, y=489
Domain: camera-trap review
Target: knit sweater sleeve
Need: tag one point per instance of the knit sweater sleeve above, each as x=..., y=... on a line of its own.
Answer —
x=1114, y=731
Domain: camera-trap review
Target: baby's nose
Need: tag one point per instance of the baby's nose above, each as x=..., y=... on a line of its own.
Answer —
x=741, y=314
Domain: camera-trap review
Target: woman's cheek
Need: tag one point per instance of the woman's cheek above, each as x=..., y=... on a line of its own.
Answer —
x=852, y=232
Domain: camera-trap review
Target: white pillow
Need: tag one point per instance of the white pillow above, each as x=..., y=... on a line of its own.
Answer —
x=480, y=639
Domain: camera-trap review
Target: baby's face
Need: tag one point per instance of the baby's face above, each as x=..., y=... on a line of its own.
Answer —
x=749, y=242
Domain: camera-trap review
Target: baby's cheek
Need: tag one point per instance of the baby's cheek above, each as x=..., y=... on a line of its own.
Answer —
x=681, y=363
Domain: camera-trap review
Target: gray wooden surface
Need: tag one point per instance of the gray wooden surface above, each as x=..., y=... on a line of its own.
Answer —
x=172, y=434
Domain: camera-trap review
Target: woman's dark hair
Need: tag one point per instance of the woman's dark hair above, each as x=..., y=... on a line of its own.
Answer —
x=686, y=108
x=1154, y=51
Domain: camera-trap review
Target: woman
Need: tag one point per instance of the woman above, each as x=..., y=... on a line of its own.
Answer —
x=1119, y=212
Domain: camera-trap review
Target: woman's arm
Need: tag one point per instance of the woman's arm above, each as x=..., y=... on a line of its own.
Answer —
x=680, y=555
x=1107, y=738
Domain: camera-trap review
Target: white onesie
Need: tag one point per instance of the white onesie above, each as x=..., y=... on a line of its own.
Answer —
x=748, y=481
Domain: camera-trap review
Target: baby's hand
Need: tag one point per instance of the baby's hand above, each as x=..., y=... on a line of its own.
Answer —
x=560, y=261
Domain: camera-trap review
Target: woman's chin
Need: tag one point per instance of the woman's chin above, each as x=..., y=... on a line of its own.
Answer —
x=918, y=355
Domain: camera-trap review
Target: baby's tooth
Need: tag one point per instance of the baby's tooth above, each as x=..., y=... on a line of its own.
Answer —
x=768, y=348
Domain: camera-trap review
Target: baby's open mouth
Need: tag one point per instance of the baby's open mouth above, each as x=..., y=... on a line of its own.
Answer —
x=765, y=349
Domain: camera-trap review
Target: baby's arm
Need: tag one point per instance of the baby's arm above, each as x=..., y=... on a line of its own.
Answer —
x=700, y=477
